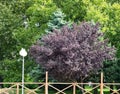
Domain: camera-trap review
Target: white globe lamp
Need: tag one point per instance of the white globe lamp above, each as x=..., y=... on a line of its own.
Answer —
x=23, y=53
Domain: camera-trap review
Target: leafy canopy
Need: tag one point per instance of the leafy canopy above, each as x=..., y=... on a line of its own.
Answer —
x=74, y=10
x=56, y=21
x=21, y=24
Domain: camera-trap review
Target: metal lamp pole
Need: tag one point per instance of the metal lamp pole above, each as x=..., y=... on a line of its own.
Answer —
x=23, y=53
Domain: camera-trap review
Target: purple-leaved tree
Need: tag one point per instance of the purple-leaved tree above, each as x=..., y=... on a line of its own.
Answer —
x=72, y=54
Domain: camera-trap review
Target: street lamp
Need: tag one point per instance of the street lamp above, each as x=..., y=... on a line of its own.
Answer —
x=23, y=53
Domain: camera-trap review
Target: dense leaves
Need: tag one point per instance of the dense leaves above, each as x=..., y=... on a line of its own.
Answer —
x=56, y=21
x=7, y=28
x=72, y=54
x=75, y=10
x=21, y=24
x=107, y=14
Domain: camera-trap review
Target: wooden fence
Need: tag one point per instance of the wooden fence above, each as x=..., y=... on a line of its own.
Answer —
x=57, y=88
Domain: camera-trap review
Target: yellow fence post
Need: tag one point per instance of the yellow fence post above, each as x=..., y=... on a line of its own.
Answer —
x=17, y=91
x=101, y=84
x=46, y=83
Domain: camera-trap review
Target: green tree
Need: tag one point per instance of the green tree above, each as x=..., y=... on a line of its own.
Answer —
x=10, y=45
x=57, y=21
x=9, y=23
x=39, y=14
x=74, y=10
x=108, y=16
x=21, y=24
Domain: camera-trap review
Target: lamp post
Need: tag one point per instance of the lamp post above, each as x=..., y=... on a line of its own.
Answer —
x=23, y=53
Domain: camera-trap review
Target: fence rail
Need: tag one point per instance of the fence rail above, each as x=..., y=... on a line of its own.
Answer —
x=58, y=87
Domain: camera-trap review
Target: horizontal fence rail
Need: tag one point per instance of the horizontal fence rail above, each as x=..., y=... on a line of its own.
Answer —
x=59, y=88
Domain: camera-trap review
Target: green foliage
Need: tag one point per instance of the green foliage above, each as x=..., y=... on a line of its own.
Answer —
x=11, y=70
x=39, y=13
x=56, y=21
x=109, y=75
x=113, y=25
x=38, y=74
x=21, y=24
x=9, y=24
x=113, y=1
x=108, y=16
x=7, y=70
x=17, y=6
x=74, y=10
x=96, y=11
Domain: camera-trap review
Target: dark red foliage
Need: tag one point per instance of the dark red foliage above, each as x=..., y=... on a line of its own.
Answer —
x=72, y=54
